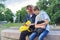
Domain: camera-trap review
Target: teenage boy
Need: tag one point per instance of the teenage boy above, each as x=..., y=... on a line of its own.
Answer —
x=41, y=16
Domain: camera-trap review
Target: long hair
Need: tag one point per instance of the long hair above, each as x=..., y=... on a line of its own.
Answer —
x=30, y=8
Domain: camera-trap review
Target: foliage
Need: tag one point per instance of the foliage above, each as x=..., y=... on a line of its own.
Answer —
x=21, y=15
x=52, y=7
x=2, y=7
x=5, y=14
x=8, y=15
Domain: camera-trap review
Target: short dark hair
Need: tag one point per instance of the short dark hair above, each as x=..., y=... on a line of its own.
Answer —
x=36, y=8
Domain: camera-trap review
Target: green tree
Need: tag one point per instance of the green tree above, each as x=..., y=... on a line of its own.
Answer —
x=8, y=15
x=2, y=8
x=21, y=14
x=5, y=13
x=52, y=7
x=18, y=16
x=1, y=17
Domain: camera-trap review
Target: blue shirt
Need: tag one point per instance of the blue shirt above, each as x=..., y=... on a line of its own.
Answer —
x=32, y=19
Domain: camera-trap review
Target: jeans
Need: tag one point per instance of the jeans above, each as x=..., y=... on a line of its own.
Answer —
x=41, y=36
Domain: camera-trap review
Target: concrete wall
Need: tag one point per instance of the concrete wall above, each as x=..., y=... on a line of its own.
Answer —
x=12, y=34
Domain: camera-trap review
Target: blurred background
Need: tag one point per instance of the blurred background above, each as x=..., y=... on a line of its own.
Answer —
x=12, y=12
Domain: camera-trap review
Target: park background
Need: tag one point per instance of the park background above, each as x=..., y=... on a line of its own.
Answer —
x=12, y=12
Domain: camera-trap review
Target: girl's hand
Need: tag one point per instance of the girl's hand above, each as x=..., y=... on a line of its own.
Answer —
x=32, y=24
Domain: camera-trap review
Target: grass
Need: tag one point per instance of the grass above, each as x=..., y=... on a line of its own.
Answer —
x=7, y=25
x=12, y=24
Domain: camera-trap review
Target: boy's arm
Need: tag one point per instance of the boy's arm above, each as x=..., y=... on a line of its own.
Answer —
x=45, y=23
x=42, y=25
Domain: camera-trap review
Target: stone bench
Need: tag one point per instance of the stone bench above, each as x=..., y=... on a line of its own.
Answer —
x=13, y=34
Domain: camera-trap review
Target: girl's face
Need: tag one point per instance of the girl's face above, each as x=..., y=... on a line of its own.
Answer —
x=29, y=10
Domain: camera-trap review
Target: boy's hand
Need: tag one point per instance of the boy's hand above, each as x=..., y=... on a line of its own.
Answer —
x=39, y=26
x=42, y=25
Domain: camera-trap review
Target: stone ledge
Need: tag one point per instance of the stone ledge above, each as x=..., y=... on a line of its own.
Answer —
x=12, y=34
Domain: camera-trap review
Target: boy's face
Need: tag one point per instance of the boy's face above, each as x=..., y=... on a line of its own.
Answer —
x=36, y=12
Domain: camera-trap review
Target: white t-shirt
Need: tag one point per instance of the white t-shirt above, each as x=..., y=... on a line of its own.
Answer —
x=42, y=16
